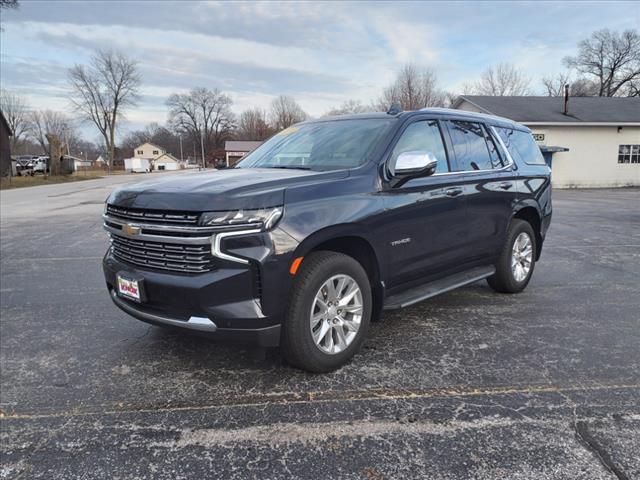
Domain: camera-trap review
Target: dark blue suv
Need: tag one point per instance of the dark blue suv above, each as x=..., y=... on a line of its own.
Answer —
x=316, y=232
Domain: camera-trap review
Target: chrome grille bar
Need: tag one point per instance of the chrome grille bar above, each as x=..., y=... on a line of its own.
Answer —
x=164, y=217
x=165, y=257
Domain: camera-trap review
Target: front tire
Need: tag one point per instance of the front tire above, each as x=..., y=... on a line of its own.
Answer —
x=517, y=260
x=329, y=312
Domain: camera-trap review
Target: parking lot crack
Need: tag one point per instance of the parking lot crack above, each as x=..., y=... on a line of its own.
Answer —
x=590, y=443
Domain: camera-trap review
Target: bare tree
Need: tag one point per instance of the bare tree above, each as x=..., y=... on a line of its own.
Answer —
x=413, y=88
x=253, y=125
x=580, y=87
x=503, y=79
x=15, y=110
x=350, y=106
x=43, y=122
x=285, y=111
x=612, y=60
x=202, y=113
x=8, y=4
x=102, y=90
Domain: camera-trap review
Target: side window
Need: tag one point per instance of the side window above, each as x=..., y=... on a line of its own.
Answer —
x=496, y=160
x=472, y=152
x=423, y=135
x=521, y=145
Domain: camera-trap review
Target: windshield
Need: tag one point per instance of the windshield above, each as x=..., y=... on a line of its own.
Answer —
x=331, y=145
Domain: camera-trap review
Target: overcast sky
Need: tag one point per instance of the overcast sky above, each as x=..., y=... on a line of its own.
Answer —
x=319, y=53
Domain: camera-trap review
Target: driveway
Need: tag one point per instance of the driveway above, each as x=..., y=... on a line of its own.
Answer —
x=471, y=384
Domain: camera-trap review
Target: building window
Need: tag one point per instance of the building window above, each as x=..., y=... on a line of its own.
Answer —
x=140, y=152
x=155, y=152
x=629, y=154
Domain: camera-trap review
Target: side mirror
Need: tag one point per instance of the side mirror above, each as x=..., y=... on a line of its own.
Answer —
x=412, y=165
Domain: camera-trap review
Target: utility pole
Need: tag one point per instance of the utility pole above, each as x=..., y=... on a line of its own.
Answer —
x=202, y=149
x=181, y=159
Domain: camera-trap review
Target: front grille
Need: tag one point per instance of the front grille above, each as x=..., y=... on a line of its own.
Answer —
x=163, y=217
x=163, y=256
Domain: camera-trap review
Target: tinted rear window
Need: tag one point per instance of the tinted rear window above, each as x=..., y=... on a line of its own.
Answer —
x=521, y=146
x=472, y=152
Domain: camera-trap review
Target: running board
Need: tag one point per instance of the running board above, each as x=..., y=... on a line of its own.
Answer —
x=431, y=289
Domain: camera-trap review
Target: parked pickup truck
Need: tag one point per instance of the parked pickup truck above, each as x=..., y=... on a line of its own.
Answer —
x=329, y=223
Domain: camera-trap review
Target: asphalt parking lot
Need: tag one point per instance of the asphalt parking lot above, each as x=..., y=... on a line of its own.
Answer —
x=471, y=384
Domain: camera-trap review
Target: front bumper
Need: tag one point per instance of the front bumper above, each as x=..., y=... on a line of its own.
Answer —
x=222, y=303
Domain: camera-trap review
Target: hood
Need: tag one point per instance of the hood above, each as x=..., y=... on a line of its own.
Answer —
x=218, y=190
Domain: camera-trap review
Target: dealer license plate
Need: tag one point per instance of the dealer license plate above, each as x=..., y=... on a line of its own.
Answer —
x=129, y=288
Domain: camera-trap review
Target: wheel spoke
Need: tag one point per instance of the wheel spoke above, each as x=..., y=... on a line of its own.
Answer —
x=317, y=318
x=319, y=334
x=341, y=283
x=352, y=291
x=341, y=341
x=351, y=325
x=328, y=340
x=332, y=295
x=320, y=302
x=356, y=309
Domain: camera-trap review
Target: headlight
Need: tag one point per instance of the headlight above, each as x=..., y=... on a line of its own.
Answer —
x=264, y=218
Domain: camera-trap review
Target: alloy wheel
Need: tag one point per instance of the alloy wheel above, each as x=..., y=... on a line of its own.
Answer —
x=336, y=314
x=521, y=257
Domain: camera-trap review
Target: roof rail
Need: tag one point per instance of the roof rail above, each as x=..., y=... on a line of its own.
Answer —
x=469, y=113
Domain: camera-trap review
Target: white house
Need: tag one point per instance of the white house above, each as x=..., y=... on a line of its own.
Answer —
x=148, y=151
x=595, y=143
x=157, y=156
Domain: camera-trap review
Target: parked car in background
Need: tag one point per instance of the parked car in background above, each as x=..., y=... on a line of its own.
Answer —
x=41, y=165
x=327, y=224
x=25, y=164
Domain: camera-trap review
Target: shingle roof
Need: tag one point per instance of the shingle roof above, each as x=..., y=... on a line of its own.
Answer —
x=167, y=155
x=241, y=145
x=550, y=109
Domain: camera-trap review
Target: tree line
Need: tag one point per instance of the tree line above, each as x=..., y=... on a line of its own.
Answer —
x=100, y=92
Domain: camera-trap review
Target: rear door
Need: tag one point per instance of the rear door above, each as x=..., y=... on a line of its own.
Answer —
x=489, y=186
x=424, y=224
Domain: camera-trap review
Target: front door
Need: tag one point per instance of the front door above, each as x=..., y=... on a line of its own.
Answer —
x=425, y=220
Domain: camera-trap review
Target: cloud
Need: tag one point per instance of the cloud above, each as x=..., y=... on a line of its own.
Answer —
x=322, y=53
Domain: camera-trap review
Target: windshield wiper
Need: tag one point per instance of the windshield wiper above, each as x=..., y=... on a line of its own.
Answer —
x=290, y=167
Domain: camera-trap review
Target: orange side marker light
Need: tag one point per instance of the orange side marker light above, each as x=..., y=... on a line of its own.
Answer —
x=295, y=265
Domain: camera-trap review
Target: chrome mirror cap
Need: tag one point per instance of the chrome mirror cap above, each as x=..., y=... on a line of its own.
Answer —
x=415, y=162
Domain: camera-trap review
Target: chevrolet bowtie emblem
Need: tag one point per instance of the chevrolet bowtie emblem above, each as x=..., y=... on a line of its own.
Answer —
x=131, y=229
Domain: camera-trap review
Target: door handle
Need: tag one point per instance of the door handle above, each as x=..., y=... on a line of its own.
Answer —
x=506, y=185
x=453, y=192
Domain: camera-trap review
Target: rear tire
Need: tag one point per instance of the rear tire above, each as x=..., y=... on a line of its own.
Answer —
x=329, y=312
x=517, y=260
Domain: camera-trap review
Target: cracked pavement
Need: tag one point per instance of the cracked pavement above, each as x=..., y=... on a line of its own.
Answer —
x=471, y=384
